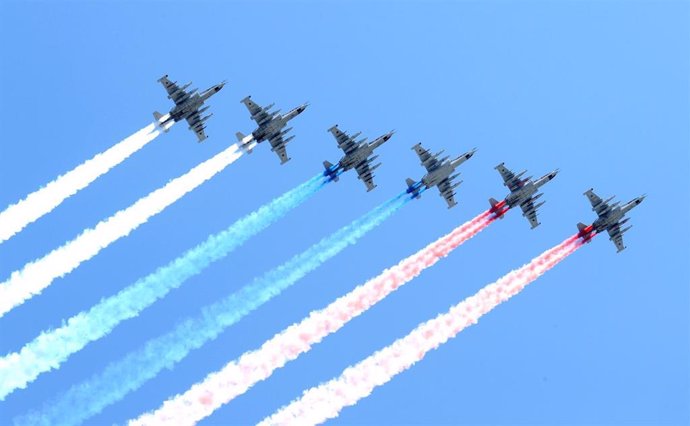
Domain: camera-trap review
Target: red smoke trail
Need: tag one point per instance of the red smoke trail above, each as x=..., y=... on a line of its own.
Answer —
x=325, y=401
x=238, y=376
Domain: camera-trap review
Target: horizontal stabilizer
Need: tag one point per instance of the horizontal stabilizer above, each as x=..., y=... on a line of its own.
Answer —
x=245, y=142
x=414, y=188
x=158, y=117
x=331, y=172
x=497, y=207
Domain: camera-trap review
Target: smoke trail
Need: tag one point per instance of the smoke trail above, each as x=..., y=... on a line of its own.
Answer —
x=325, y=401
x=82, y=401
x=238, y=376
x=37, y=275
x=43, y=201
x=53, y=347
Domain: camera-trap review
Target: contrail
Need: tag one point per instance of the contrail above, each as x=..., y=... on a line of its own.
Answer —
x=50, y=349
x=37, y=275
x=219, y=388
x=84, y=400
x=43, y=201
x=325, y=401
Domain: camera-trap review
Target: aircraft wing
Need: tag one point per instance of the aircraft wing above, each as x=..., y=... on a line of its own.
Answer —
x=530, y=213
x=345, y=142
x=598, y=205
x=365, y=175
x=258, y=114
x=278, y=146
x=174, y=92
x=616, y=236
x=446, y=191
x=428, y=160
x=509, y=179
x=197, y=125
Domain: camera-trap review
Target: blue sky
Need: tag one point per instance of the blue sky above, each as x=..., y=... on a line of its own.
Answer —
x=597, y=89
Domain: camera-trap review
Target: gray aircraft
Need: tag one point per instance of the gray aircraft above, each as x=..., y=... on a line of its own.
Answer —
x=439, y=174
x=357, y=156
x=271, y=124
x=610, y=219
x=523, y=192
x=187, y=106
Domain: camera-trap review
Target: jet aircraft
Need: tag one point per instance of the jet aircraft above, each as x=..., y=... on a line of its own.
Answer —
x=439, y=174
x=611, y=218
x=523, y=192
x=271, y=124
x=357, y=156
x=187, y=106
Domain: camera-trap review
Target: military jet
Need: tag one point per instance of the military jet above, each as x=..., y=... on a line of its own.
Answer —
x=522, y=193
x=271, y=124
x=439, y=173
x=610, y=219
x=357, y=153
x=187, y=106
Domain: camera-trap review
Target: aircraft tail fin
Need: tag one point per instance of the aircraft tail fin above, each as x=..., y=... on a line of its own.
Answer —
x=158, y=117
x=413, y=188
x=585, y=232
x=497, y=207
x=330, y=171
x=244, y=142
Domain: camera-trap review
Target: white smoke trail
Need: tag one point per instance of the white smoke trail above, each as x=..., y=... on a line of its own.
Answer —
x=219, y=388
x=53, y=347
x=17, y=216
x=37, y=275
x=325, y=401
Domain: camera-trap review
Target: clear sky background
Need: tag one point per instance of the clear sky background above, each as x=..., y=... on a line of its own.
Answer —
x=598, y=89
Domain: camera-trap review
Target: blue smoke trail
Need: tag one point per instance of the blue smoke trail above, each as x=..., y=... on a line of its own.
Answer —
x=53, y=347
x=87, y=399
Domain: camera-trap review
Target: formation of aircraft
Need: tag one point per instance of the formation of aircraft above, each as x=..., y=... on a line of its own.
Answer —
x=523, y=193
x=358, y=155
x=271, y=125
x=439, y=174
x=187, y=106
x=610, y=219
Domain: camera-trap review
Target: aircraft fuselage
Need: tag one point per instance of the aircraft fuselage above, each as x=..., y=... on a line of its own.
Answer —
x=615, y=216
x=275, y=125
x=195, y=101
x=528, y=190
x=358, y=156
